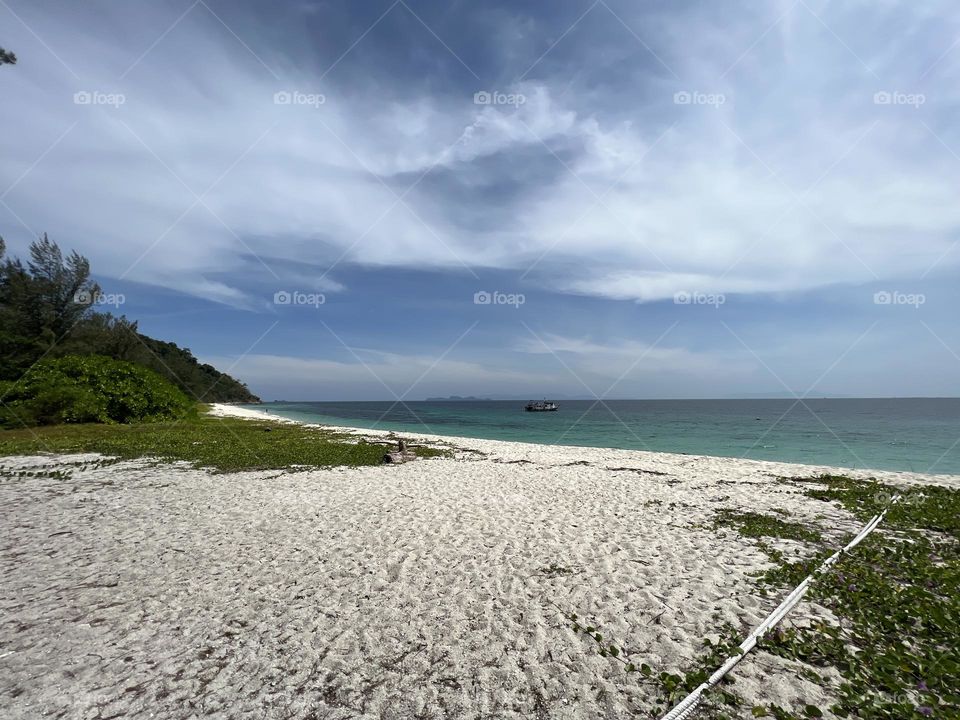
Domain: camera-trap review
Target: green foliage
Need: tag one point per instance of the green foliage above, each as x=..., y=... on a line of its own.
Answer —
x=897, y=643
x=117, y=337
x=896, y=646
x=604, y=648
x=757, y=525
x=85, y=389
x=930, y=506
x=7, y=57
x=224, y=444
x=45, y=310
x=896, y=597
x=102, y=334
x=37, y=303
x=721, y=700
x=791, y=574
x=198, y=380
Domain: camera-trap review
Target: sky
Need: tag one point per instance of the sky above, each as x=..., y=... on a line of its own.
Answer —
x=401, y=199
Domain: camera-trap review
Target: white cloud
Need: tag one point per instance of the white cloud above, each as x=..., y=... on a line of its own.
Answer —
x=627, y=361
x=380, y=376
x=797, y=181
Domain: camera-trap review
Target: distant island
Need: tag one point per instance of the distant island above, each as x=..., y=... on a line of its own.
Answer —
x=454, y=398
x=790, y=395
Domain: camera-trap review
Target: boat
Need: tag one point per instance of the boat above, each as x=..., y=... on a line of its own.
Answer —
x=541, y=406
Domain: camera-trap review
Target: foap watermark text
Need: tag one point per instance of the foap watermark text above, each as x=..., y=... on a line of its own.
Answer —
x=484, y=97
x=95, y=97
x=482, y=297
x=685, y=297
x=85, y=297
x=895, y=97
x=695, y=97
x=895, y=297
x=296, y=297
x=296, y=97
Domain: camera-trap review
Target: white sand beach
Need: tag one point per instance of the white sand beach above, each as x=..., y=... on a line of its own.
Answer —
x=432, y=589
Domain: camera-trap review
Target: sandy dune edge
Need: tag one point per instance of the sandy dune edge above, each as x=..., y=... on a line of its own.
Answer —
x=143, y=590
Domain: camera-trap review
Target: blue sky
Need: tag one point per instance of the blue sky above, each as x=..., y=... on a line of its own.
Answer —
x=686, y=199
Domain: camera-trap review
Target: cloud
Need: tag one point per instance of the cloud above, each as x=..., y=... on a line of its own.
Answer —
x=796, y=180
x=380, y=375
x=624, y=361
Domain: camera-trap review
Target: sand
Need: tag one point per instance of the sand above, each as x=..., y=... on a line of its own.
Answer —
x=432, y=589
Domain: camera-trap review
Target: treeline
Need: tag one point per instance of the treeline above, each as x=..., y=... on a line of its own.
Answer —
x=47, y=311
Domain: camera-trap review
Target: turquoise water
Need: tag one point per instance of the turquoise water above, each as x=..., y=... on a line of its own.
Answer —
x=914, y=434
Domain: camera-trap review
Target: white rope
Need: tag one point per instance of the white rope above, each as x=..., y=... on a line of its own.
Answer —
x=686, y=707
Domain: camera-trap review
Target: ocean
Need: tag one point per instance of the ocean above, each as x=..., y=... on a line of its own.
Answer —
x=912, y=434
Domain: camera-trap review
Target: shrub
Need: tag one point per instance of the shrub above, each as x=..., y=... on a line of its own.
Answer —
x=90, y=388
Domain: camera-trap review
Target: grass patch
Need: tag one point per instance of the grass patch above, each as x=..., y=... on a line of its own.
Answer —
x=758, y=525
x=897, y=646
x=224, y=444
x=719, y=704
x=896, y=595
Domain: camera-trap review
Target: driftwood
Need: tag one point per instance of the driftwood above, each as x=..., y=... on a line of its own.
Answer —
x=400, y=455
x=396, y=458
x=406, y=445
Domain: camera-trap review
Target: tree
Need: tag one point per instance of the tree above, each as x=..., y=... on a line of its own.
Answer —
x=62, y=289
x=40, y=303
x=7, y=57
x=45, y=310
x=104, y=334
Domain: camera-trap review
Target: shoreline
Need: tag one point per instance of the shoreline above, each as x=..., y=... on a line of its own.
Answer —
x=513, y=447
x=439, y=588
